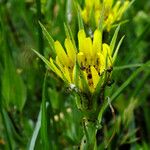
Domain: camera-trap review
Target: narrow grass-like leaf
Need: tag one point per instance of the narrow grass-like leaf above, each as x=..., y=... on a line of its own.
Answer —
x=117, y=49
x=128, y=66
x=48, y=37
x=44, y=118
x=128, y=81
x=80, y=21
x=69, y=10
x=35, y=132
x=120, y=89
x=48, y=63
x=43, y=59
x=67, y=31
x=113, y=41
x=13, y=87
x=120, y=23
x=91, y=20
x=128, y=135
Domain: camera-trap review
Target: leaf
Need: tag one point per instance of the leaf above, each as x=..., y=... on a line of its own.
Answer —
x=120, y=89
x=13, y=88
x=80, y=21
x=117, y=49
x=48, y=37
x=43, y=59
x=113, y=41
x=127, y=66
x=35, y=132
x=44, y=118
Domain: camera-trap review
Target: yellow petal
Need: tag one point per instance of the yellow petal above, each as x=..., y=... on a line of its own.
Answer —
x=106, y=50
x=97, y=41
x=109, y=21
x=70, y=50
x=88, y=47
x=55, y=69
x=107, y=55
x=97, y=4
x=81, y=40
x=95, y=76
x=67, y=74
x=101, y=62
x=61, y=53
x=108, y=3
x=85, y=76
x=97, y=16
x=59, y=63
x=81, y=58
x=89, y=4
x=74, y=75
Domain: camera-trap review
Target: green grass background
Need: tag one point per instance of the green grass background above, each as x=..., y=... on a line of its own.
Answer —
x=32, y=99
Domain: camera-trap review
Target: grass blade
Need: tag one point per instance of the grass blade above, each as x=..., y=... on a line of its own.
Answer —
x=80, y=21
x=127, y=66
x=48, y=37
x=120, y=89
x=117, y=49
x=35, y=132
x=43, y=59
x=113, y=41
x=44, y=118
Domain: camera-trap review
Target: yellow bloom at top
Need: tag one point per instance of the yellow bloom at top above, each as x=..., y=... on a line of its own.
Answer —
x=112, y=11
x=92, y=57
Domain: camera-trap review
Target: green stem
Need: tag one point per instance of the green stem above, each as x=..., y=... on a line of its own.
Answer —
x=89, y=139
x=44, y=117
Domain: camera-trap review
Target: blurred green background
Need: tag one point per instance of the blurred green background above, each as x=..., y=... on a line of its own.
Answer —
x=22, y=93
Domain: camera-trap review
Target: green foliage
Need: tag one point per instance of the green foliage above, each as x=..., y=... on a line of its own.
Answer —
x=38, y=111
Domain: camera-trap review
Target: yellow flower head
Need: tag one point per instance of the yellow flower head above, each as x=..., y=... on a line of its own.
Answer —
x=112, y=12
x=92, y=57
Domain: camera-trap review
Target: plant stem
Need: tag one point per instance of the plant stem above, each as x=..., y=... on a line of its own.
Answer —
x=89, y=138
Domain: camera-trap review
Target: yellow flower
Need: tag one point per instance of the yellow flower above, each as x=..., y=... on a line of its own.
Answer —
x=112, y=12
x=92, y=57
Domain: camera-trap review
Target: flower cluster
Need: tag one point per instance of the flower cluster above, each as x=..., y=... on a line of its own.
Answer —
x=92, y=56
x=112, y=11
